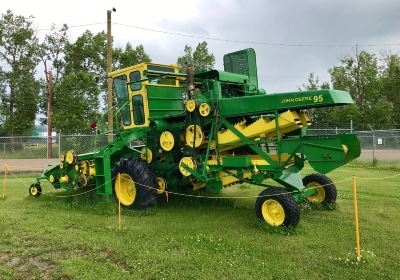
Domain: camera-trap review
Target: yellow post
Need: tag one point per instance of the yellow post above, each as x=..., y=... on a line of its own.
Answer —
x=119, y=215
x=356, y=218
x=4, y=180
x=119, y=205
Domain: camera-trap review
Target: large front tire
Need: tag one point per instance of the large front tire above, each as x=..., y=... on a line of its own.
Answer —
x=325, y=189
x=134, y=185
x=277, y=208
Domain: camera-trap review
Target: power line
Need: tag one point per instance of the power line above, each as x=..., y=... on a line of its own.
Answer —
x=74, y=26
x=256, y=42
x=234, y=41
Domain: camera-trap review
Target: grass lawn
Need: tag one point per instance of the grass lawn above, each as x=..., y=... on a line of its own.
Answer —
x=191, y=238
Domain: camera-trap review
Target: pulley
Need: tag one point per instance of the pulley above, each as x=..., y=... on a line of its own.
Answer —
x=190, y=105
x=204, y=109
x=84, y=167
x=92, y=169
x=167, y=141
x=189, y=162
x=146, y=154
x=83, y=180
x=161, y=185
x=64, y=179
x=70, y=157
x=52, y=179
x=194, y=136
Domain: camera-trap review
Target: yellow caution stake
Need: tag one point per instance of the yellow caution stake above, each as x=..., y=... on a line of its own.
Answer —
x=356, y=218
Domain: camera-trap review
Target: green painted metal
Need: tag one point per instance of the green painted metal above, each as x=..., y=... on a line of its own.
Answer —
x=165, y=102
x=268, y=103
x=243, y=62
x=233, y=96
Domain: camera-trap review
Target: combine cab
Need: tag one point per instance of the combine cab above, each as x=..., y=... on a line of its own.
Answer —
x=209, y=130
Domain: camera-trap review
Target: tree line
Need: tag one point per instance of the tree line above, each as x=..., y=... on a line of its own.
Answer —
x=78, y=68
x=374, y=84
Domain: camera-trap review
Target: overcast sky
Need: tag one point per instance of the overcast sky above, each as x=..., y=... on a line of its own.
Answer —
x=280, y=68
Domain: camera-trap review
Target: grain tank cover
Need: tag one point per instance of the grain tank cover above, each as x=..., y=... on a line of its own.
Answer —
x=243, y=62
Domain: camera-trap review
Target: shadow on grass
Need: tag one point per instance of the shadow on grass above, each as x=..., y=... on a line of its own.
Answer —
x=276, y=230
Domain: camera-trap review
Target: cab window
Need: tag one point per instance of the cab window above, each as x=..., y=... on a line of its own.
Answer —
x=158, y=79
x=121, y=92
x=138, y=111
x=135, y=83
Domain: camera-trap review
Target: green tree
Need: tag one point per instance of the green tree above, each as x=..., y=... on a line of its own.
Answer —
x=374, y=91
x=391, y=82
x=200, y=58
x=129, y=56
x=53, y=50
x=76, y=102
x=360, y=76
x=19, y=52
x=52, y=57
x=77, y=94
x=321, y=117
x=87, y=53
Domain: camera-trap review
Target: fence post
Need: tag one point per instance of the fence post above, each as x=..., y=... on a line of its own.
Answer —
x=373, y=147
x=4, y=180
x=351, y=126
x=59, y=144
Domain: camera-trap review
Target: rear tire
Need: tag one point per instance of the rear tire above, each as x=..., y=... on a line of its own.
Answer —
x=326, y=189
x=134, y=184
x=277, y=208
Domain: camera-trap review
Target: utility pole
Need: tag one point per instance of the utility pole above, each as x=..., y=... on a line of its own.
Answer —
x=49, y=109
x=109, y=80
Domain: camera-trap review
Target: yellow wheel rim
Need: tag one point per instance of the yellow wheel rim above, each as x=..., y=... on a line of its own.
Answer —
x=167, y=141
x=83, y=180
x=34, y=191
x=52, y=179
x=70, y=157
x=125, y=189
x=191, y=131
x=345, y=149
x=161, y=185
x=191, y=105
x=146, y=153
x=84, y=167
x=319, y=196
x=62, y=157
x=188, y=161
x=204, y=109
x=273, y=212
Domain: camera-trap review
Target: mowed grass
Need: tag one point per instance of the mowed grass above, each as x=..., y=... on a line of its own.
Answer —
x=198, y=238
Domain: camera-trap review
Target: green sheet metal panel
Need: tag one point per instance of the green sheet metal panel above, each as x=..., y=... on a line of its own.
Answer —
x=248, y=105
x=165, y=102
x=236, y=161
x=223, y=76
x=243, y=62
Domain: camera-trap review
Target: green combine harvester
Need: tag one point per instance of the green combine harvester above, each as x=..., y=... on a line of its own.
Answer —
x=209, y=130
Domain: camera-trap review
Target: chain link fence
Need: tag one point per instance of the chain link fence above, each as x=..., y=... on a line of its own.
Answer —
x=34, y=147
x=382, y=145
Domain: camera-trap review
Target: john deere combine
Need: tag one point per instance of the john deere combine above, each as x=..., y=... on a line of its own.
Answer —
x=209, y=130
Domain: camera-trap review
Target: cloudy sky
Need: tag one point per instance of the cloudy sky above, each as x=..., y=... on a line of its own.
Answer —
x=326, y=30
